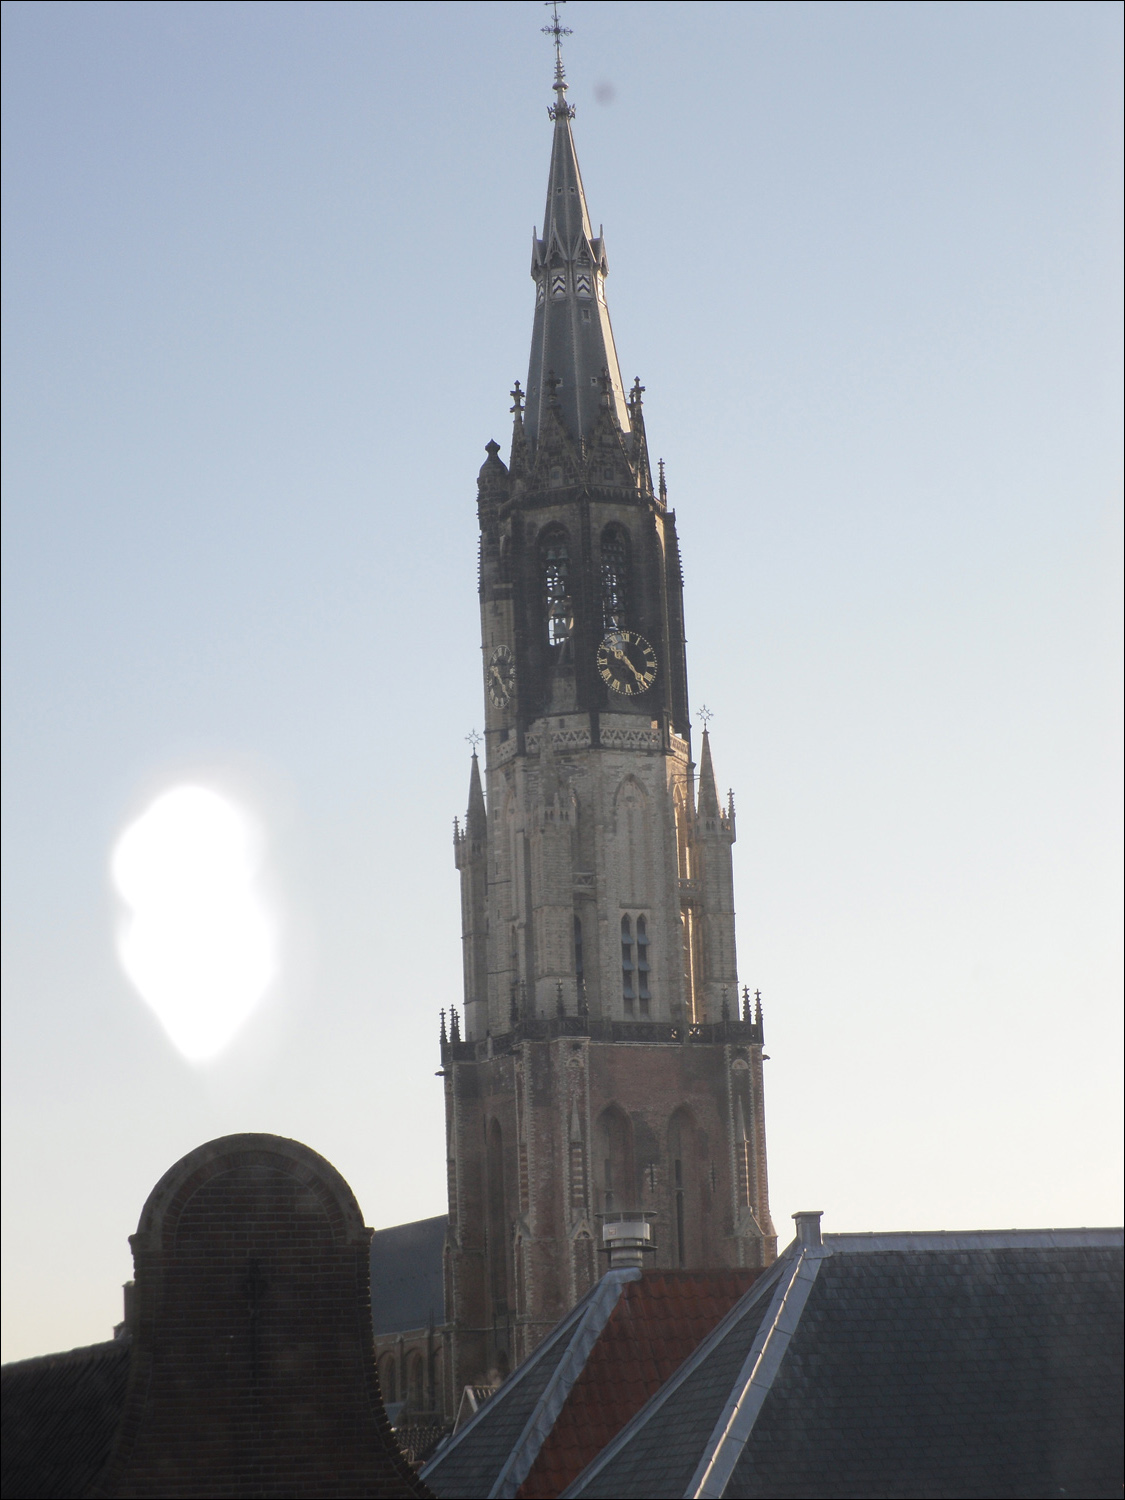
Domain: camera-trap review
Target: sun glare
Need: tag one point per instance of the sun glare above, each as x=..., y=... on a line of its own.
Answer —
x=198, y=944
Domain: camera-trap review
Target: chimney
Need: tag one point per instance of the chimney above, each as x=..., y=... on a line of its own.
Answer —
x=626, y=1238
x=808, y=1227
x=124, y=1329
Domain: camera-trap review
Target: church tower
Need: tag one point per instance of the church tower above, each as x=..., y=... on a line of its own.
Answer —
x=604, y=1062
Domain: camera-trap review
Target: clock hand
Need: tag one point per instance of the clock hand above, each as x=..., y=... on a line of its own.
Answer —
x=621, y=656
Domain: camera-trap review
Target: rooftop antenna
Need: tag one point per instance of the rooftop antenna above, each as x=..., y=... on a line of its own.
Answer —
x=557, y=30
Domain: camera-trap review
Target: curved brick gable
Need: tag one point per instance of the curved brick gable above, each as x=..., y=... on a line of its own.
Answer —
x=252, y=1369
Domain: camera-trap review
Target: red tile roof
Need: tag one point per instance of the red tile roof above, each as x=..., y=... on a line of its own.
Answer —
x=658, y=1322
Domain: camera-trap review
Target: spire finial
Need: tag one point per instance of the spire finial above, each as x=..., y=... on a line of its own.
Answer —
x=517, y=397
x=706, y=715
x=474, y=739
x=557, y=30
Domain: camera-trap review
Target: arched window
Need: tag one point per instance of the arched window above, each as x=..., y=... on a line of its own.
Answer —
x=558, y=608
x=681, y=1131
x=628, y=967
x=416, y=1382
x=635, y=993
x=643, y=995
x=387, y=1383
x=497, y=1244
x=615, y=578
x=615, y=1179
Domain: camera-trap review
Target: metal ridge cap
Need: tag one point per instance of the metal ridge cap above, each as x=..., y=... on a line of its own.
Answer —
x=745, y=1304
x=972, y=1239
x=755, y=1378
x=518, y=1375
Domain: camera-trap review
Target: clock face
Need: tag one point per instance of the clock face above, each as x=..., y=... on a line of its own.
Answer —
x=501, y=677
x=627, y=663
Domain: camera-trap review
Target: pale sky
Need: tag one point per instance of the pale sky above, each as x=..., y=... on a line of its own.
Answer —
x=267, y=291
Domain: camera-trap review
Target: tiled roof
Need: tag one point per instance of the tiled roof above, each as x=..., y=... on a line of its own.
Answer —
x=684, y=1409
x=871, y=1366
x=657, y=1323
x=407, y=1275
x=60, y=1414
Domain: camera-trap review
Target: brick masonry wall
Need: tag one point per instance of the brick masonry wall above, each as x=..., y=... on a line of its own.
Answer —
x=676, y=1101
x=253, y=1362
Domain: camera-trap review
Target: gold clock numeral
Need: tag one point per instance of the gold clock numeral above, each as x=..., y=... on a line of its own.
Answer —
x=501, y=676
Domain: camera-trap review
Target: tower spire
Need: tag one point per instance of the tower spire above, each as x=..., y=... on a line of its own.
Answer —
x=572, y=338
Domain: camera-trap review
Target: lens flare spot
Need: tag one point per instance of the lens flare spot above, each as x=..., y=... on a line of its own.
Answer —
x=198, y=943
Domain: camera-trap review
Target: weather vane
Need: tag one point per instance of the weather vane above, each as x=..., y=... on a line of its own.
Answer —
x=706, y=715
x=474, y=739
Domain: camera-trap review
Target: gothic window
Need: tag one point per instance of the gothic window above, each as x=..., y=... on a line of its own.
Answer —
x=635, y=993
x=554, y=563
x=643, y=994
x=415, y=1382
x=558, y=284
x=628, y=969
x=388, y=1386
x=615, y=577
x=685, y=1205
x=678, y=1189
x=497, y=1219
x=540, y=290
x=583, y=283
x=613, y=1161
x=579, y=969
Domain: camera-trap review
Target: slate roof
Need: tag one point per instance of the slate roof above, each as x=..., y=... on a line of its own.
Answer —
x=952, y=1365
x=472, y=1460
x=597, y=1369
x=407, y=1275
x=59, y=1418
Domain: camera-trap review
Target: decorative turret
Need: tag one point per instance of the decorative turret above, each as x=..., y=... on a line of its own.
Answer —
x=476, y=819
x=707, y=801
x=492, y=481
x=470, y=850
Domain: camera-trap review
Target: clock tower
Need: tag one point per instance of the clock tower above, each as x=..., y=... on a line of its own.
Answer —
x=603, y=1061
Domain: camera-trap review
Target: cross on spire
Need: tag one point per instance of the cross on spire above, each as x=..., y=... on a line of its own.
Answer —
x=706, y=715
x=557, y=31
x=474, y=739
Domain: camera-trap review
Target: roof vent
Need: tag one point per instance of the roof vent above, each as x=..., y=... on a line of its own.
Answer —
x=808, y=1227
x=626, y=1237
